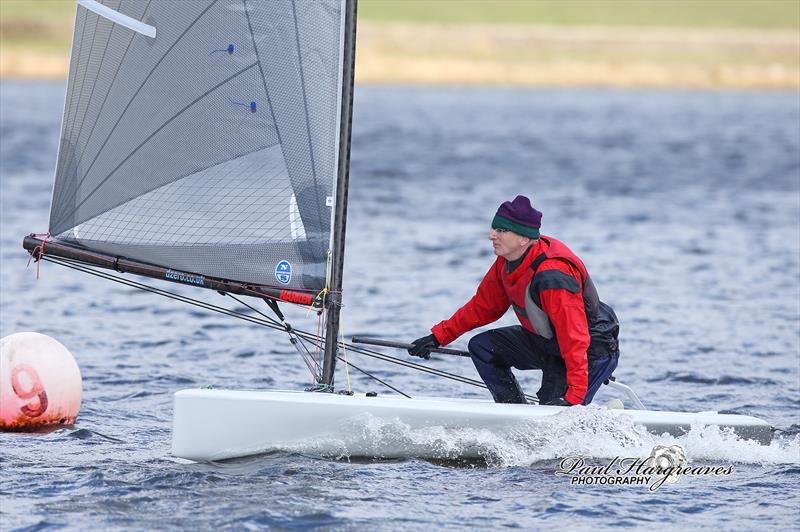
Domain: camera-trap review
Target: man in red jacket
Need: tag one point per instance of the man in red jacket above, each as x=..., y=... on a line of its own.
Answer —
x=565, y=330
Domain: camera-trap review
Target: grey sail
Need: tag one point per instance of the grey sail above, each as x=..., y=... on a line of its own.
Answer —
x=204, y=136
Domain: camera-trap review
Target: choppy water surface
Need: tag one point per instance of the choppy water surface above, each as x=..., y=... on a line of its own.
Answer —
x=685, y=207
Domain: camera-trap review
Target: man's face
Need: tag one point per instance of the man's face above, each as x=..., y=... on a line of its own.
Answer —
x=508, y=244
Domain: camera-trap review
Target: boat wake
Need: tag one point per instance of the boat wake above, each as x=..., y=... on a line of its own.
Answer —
x=590, y=432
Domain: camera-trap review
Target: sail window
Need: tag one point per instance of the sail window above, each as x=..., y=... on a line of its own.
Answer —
x=295, y=222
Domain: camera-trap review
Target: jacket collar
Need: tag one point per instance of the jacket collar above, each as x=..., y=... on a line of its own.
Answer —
x=537, y=249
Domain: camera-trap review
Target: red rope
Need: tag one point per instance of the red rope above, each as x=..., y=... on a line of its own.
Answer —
x=38, y=249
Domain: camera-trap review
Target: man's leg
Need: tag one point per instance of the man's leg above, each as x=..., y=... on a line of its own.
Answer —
x=495, y=352
x=599, y=370
x=493, y=367
x=554, y=378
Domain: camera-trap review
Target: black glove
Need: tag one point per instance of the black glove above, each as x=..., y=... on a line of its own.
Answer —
x=421, y=347
x=558, y=401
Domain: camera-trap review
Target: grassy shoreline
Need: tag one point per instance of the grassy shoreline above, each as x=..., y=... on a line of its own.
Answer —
x=737, y=44
x=520, y=55
x=578, y=56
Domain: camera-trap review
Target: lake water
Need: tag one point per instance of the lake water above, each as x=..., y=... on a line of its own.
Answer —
x=685, y=206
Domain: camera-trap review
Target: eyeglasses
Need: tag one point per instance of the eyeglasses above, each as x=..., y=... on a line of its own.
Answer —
x=500, y=230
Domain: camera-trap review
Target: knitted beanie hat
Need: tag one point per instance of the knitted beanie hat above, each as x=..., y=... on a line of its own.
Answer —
x=518, y=216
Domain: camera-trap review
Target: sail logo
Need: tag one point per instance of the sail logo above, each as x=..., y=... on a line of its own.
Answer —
x=283, y=272
x=184, y=277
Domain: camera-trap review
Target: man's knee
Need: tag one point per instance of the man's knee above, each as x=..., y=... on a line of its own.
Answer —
x=480, y=348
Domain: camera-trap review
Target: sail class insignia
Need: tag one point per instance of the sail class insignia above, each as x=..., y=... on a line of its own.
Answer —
x=283, y=272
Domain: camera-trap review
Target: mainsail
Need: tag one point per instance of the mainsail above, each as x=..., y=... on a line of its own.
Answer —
x=207, y=142
x=212, y=147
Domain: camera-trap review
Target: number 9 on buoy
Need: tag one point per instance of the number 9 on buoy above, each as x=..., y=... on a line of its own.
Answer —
x=40, y=383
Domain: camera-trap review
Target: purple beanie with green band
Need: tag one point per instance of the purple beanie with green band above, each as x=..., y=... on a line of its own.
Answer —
x=518, y=216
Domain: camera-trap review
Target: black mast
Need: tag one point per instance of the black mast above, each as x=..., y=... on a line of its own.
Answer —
x=334, y=298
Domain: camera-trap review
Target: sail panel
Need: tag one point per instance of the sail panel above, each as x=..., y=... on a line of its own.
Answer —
x=196, y=210
x=200, y=149
x=178, y=145
x=160, y=81
x=301, y=100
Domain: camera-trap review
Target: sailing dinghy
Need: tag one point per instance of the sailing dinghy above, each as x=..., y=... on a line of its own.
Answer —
x=206, y=143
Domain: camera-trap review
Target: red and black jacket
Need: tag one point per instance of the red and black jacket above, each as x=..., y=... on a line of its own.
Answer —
x=554, y=297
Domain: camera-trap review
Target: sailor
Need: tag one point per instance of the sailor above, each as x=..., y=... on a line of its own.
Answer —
x=565, y=331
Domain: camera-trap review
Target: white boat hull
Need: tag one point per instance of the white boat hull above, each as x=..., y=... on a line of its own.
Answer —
x=214, y=424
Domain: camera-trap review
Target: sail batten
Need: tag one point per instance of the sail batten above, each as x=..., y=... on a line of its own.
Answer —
x=120, y=18
x=211, y=146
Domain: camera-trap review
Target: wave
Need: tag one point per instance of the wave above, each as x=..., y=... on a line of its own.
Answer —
x=590, y=432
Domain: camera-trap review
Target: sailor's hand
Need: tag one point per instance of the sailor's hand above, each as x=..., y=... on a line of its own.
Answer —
x=558, y=401
x=421, y=347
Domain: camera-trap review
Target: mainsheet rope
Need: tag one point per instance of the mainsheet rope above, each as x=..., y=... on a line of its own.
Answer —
x=269, y=323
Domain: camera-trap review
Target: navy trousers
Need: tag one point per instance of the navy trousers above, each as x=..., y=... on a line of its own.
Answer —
x=495, y=352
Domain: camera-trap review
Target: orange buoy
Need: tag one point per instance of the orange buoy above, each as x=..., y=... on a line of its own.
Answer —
x=40, y=383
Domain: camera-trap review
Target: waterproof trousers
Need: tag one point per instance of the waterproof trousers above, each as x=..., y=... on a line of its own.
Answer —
x=495, y=352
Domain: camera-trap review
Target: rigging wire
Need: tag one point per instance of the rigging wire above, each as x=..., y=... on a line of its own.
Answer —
x=296, y=341
x=344, y=349
x=268, y=322
x=350, y=392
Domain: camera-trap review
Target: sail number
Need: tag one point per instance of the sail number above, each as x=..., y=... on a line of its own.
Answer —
x=34, y=390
